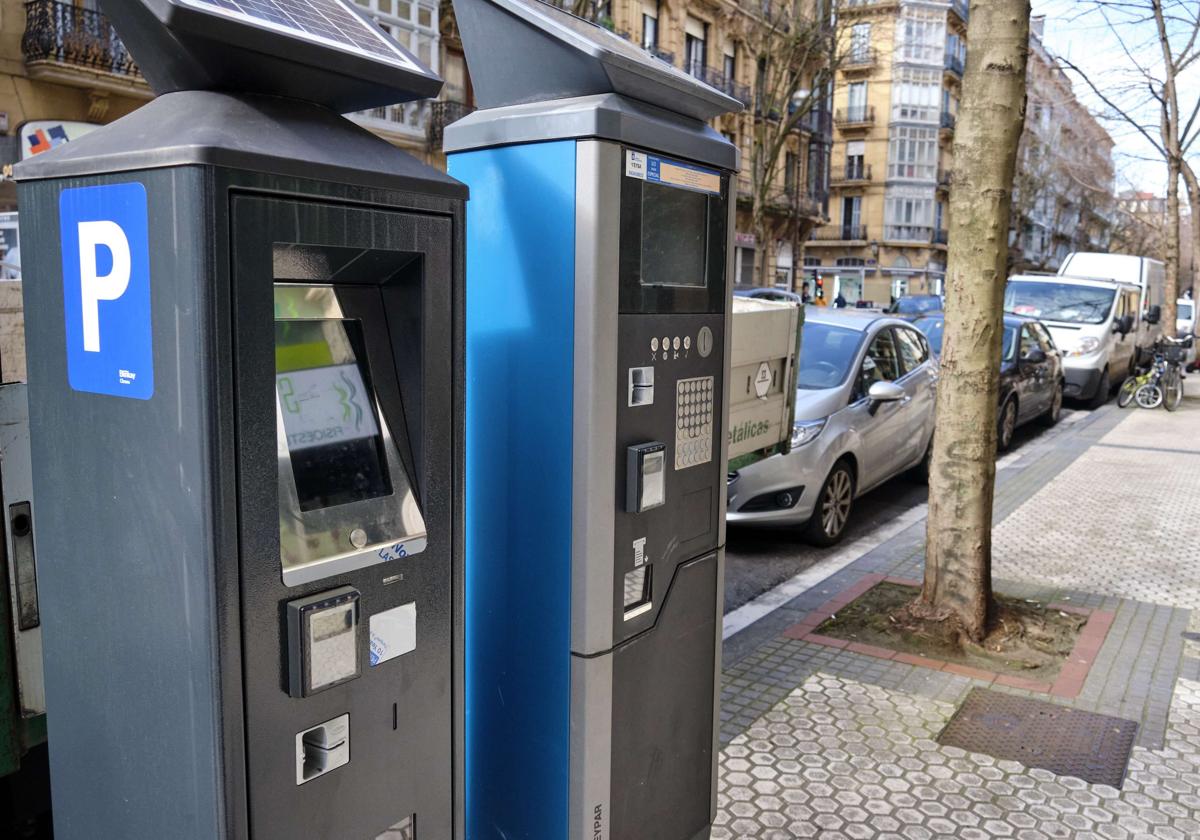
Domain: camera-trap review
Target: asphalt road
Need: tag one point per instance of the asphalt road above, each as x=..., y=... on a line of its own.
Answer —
x=758, y=559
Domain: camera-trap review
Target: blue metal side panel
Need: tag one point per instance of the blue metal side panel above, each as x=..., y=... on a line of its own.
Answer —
x=520, y=338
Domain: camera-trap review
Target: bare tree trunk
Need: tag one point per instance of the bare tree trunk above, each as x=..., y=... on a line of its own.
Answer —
x=958, y=552
x=1171, y=291
x=1193, y=190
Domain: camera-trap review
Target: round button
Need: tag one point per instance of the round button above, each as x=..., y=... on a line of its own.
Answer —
x=687, y=342
x=654, y=345
x=666, y=342
x=704, y=342
x=358, y=538
x=675, y=343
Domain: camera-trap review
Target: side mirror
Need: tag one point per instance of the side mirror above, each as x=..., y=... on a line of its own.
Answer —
x=1124, y=324
x=1035, y=356
x=882, y=392
x=1154, y=314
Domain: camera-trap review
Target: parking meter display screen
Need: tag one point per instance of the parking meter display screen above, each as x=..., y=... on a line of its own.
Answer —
x=674, y=236
x=333, y=434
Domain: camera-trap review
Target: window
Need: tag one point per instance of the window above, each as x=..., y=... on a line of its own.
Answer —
x=730, y=66
x=881, y=364
x=415, y=26
x=1044, y=338
x=812, y=262
x=790, y=165
x=921, y=36
x=695, y=46
x=1029, y=342
x=856, y=151
x=913, y=352
x=856, y=103
x=850, y=262
x=649, y=25
x=912, y=153
x=908, y=214
x=851, y=217
x=916, y=93
x=860, y=42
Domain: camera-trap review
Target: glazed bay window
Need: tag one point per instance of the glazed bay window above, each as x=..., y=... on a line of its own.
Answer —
x=912, y=153
x=916, y=94
x=415, y=25
x=921, y=36
x=908, y=214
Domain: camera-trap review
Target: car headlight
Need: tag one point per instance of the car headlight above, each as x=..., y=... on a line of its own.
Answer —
x=1086, y=344
x=806, y=432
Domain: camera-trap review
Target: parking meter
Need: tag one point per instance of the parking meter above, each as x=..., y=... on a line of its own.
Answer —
x=599, y=234
x=244, y=336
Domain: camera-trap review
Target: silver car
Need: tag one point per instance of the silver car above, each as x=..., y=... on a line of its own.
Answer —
x=864, y=413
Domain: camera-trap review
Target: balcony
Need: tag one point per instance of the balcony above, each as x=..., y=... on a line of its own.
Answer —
x=962, y=9
x=944, y=179
x=860, y=60
x=857, y=118
x=717, y=79
x=441, y=114
x=662, y=55
x=941, y=236
x=838, y=234
x=915, y=234
x=858, y=7
x=954, y=67
x=947, y=124
x=816, y=122
x=72, y=45
x=405, y=124
x=855, y=174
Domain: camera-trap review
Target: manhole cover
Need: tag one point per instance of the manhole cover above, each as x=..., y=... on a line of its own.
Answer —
x=1064, y=741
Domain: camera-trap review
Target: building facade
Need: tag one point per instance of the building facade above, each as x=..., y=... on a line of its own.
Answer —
x=898, y=81
x=1063, y=191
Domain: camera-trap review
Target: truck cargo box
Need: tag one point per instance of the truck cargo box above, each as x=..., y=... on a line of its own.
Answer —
x=765, y=349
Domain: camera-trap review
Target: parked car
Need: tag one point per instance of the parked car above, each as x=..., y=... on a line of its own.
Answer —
x=1031, y=373
x=1185, y=325
x=1095, y=322
x=864, y=414
x=912, y=306
x=767, y=293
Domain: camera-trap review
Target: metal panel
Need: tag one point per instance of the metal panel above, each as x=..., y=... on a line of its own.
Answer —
x=519, y=455
x=16, y=494
x=597, y=238
x=141, y=475
x=591, y=747
x=601, y=116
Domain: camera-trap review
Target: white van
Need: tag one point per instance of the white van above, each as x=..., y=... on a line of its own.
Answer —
x=1150, y=276
x=1094, y=322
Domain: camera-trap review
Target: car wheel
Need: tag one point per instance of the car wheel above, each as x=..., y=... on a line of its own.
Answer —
x=828, y=523
x=1006, y=425
x=1055, y=410
x=1103, y=392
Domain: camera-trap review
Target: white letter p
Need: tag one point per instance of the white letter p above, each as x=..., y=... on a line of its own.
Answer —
x=93, y=288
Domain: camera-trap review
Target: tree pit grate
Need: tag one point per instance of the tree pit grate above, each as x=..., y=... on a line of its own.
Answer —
x=1065, y=741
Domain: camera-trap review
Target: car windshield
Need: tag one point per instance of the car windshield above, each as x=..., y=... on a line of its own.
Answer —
x=935, y=327
x=826, y=354
x=1183, y=311
x=1059, y=301
x=916, y=304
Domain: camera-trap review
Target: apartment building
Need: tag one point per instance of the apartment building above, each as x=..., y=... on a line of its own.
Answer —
x=896, y=96
x=1063, y=191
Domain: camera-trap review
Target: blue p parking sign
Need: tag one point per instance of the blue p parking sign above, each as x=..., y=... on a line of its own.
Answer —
x=106, y=290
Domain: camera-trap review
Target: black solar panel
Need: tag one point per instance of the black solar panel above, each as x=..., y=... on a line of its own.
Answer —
x=329, y=22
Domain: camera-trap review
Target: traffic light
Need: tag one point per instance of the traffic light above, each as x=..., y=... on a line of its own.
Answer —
x=820, y=288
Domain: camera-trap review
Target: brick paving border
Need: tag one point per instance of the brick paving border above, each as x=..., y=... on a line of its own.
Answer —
x=1069, y=683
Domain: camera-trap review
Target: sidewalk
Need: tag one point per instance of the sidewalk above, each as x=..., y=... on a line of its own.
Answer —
x=825, y=741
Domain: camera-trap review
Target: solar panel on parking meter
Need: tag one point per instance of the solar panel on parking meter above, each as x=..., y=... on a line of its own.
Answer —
x=244, y=320
x=324, y=51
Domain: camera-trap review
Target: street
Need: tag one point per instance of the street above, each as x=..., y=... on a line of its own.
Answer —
x=756, y=560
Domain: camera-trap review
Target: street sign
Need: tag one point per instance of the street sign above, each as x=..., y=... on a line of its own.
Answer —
x=106, y=290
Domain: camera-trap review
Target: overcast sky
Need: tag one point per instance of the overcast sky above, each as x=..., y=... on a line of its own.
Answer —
x=1078, y=31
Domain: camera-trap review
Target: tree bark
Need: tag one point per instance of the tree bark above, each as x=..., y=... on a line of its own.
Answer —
x=958, y=552
x=1193, y=190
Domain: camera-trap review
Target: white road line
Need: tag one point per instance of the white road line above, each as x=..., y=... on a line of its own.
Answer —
x=773, y=599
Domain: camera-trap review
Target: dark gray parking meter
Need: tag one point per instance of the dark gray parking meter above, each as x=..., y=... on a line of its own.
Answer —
x=599, y=233
x=244, y=340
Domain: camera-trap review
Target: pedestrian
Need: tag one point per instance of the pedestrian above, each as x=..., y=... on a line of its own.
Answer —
x=839, y=301
x=805, y=296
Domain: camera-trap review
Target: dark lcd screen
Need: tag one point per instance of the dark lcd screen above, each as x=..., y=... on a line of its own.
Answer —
x=674, y=236
x=333, y=434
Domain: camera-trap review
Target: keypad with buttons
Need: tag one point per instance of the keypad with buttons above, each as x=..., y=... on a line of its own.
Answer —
x=693, y=421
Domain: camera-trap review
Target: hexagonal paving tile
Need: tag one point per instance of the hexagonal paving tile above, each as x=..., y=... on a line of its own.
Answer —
x=799, y=772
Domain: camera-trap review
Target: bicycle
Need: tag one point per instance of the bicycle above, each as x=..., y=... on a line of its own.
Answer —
x=1161, y=383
